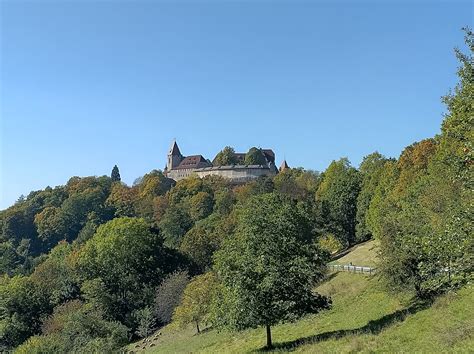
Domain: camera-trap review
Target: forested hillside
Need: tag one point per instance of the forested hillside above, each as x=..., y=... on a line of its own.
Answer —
x=94, y=264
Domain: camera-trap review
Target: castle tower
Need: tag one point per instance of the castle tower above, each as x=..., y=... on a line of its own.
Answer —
x=284, y=166
x=174, y=156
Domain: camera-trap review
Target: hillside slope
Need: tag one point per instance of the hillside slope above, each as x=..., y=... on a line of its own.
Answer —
x=364, y=318
x=363, y=254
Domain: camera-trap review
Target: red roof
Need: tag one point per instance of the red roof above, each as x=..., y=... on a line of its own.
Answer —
x=194, y=161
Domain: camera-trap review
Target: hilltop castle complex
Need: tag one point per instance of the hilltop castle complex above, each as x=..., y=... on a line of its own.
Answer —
x=179, y=166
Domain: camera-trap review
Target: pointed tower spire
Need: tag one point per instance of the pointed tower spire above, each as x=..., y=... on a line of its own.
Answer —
x=174, y=149
x=174, y=156
x=284, y=166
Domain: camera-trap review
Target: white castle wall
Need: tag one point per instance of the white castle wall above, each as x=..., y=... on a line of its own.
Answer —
x=237, y=173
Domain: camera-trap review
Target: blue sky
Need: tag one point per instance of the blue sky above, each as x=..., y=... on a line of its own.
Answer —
x=88, y=84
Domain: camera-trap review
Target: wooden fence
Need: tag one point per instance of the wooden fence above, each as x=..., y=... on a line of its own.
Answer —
x=351, y=269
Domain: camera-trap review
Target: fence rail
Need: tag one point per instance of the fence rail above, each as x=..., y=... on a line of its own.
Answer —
x=351, y=269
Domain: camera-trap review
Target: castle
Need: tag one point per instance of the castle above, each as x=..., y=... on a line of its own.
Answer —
x=179, y=166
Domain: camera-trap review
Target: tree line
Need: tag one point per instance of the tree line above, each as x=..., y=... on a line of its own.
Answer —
x=95, y=263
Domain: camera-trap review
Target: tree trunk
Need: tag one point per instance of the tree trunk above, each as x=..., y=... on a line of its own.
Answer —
x=269, y=337
x=197, y=327
x=449, y=271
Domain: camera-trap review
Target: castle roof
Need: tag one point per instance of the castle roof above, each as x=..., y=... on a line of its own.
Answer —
x=174, y=149
x=240, y=156
x=284, y=166
x=194, y=161
x=269, y=155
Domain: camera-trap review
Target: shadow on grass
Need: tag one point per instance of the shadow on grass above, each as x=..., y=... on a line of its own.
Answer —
x=327, y=278
x=372, y=327
x=347, y=251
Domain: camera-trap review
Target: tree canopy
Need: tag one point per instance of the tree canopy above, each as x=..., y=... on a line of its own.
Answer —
x=225, y=157
x=268, y=269
x=195, y=306
x=337, y=200
x=255, y=156
x=125, y=254
x=422, y=208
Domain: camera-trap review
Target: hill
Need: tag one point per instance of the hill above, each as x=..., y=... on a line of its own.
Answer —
x=363, y=254
x=364, y=317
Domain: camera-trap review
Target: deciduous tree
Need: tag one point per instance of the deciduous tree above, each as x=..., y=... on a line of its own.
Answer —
x=337, y=195
x=127, y=255
x=225, y=157
x=370, y=170
x=195, y=306
x=269, y=267
x=255, y=156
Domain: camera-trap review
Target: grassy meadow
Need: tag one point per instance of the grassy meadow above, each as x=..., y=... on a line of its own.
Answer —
x=364, y=318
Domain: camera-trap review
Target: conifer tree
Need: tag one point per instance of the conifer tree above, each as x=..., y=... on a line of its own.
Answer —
x=115, y=175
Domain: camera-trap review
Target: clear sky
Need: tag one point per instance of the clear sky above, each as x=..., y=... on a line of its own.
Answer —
x=89, y=84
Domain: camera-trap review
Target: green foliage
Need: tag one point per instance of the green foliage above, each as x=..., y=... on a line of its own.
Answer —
x=396, y=219
x=174, y=225
x=261, y=185
x=123, y=199
x=151, y=185
x=225, y=157
x=125, y=255
x=255, y=156
x=145, y=320
x=269, y=267
x=195, y=306
x=371, y=170
x=191, y=200
x=24, y=301
x=422, y=208
x=201, y=242
x=73, y=327
x=296, y=183
x=224, y=201
x=330, y=243
x=22, y=306
x=9, y=258
x=42, y=344
x=55, y=276
x=51, y=224
x=200, y=205
x=86, y=199
x=35, y=225
x=19, y=236
x=337, y=200
x=97, y=295
x=115, y=175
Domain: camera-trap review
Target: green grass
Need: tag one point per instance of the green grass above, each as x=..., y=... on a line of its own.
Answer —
x=364, y=254
x=364, y=318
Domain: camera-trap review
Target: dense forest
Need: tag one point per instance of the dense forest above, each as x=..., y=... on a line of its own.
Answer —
x=94, y=264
